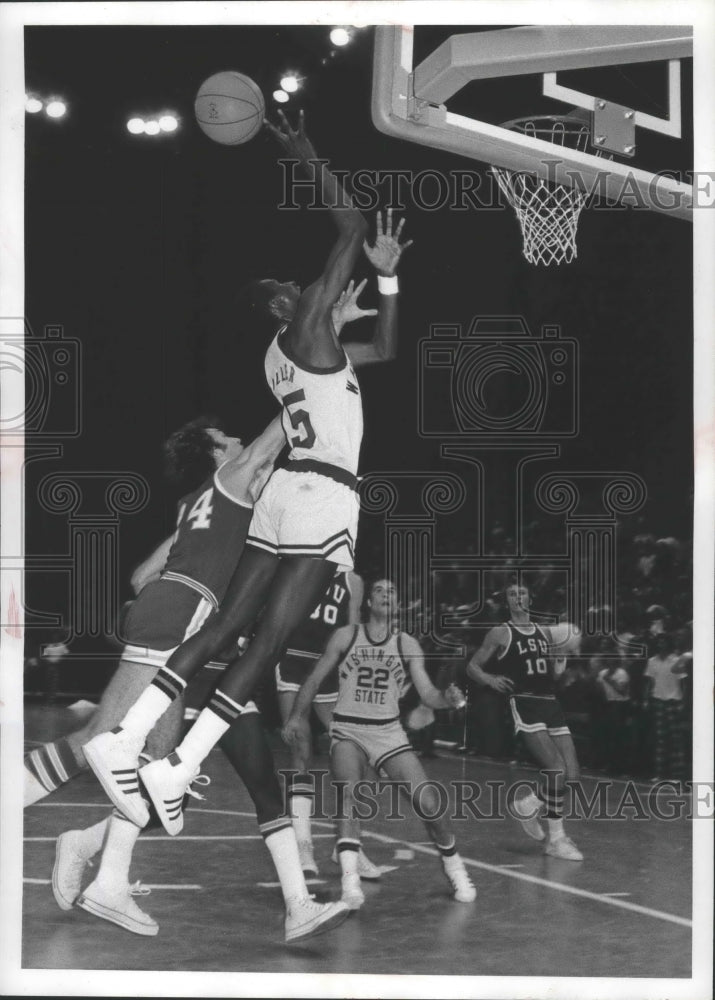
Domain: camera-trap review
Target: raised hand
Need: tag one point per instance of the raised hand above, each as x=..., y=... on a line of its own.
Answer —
x=294, y=141
x=385, y=255
x=346, y=309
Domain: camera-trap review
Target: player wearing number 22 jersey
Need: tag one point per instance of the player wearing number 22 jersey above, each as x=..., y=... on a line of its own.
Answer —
x=376, y=663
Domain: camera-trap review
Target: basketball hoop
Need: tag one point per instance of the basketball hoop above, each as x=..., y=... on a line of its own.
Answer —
x=548, y=212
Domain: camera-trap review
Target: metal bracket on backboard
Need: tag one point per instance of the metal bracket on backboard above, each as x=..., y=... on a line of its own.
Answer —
x=672, y=125
x=614, y=128
x=422, y=112
x=393, y=90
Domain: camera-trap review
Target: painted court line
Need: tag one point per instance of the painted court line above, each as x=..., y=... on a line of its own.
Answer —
x=147, y=885
x=535, y=880
x=495, y=869
x=511, y=866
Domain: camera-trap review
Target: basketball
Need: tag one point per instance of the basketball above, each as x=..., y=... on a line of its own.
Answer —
x=229, y=108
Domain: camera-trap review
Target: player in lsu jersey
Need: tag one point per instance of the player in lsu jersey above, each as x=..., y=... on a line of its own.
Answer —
x=306, y=518
x=376, y=663
x=523, y=651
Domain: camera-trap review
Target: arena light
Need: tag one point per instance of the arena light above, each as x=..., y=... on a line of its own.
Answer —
x=280, y=96
x=152, y=127
x=56, y=109
x=290, y=83
x=168, y=123
x=340, y=36
x=33, y=105
x=136, y=126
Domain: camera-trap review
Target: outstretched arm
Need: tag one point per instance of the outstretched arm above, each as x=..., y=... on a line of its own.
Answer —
x=429, y=694
x=385, y=257
x=335, y=650
x=310, y=334
x=245, y=476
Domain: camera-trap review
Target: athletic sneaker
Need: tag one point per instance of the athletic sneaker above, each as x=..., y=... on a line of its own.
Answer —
x=306, y=918
x=68, y=869
x=530, y=823
x=464, y=890
x=166, y=782
x=366, y=869
x=352, y=894
x=119, y=908
x=113, y=757
x=307, y=861
x=564, y=848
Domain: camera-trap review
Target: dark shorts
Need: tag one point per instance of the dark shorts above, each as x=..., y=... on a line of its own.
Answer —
x=534, y=713
x=294, y=668
x=164, y=614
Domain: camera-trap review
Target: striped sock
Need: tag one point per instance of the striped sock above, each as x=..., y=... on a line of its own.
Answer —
x=301, y=795
x=348, y=851
x=208, y=729
x=448, y=850
x=152, y=703
x=554, y=802
x=284, y=851
x=51, y=765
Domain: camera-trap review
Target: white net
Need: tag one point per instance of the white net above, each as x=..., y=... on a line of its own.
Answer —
x=548, y=212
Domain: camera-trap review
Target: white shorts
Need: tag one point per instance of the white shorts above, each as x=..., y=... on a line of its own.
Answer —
x=379, y=743
x=306, y=514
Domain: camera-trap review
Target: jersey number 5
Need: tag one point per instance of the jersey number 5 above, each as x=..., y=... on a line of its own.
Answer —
x=300, y=420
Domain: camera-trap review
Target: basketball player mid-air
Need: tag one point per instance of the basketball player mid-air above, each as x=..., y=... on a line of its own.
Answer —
x=376, y=663
x=178, y=586
x=523, y=651
x=305, y=520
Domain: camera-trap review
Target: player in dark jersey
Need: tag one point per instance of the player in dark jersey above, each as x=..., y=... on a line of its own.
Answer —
x=339, y=606
x=305, y=521
x=178, y=586
x=375, y=664
x=523, y=652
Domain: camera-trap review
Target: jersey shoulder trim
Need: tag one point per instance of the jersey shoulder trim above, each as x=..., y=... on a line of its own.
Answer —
x=303, y=365
x=194, y=585
x=229, y=496
x=505, y=650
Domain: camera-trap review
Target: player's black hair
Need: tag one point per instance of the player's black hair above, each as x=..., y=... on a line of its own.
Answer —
x=188, y=452
x=255, y=298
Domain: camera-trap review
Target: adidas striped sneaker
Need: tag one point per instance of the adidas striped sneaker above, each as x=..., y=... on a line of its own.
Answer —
x=114, y=757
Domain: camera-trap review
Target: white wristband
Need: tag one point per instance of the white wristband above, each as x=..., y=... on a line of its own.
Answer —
x=387, y=285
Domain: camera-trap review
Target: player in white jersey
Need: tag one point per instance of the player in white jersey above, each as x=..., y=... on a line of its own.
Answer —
x=306, y=518
x=376, y=664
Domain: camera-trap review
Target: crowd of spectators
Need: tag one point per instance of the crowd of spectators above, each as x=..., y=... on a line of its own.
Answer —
x=628, y=691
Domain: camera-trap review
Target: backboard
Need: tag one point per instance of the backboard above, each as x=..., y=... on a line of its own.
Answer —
x=454, y=88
